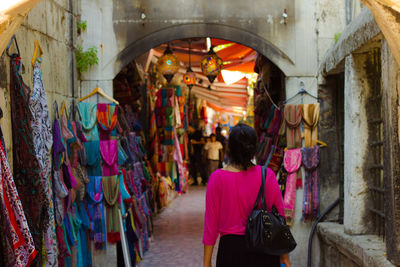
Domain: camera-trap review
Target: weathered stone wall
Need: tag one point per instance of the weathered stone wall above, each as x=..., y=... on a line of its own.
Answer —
x=49, y=23
x=339, y=249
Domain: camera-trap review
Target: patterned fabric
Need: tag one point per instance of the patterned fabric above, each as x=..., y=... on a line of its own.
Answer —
x=111, y=193
x=310, y=113
x=292, y=163
x=60, y=192
x=311, y=158
x=17, y=232
x=88, y=113
x=107, y=119
x=25, y=164
x=96, y=211
x=43, y=141
x=292, y=116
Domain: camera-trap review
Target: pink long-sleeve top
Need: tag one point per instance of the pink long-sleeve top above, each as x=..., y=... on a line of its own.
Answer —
x=230, y=198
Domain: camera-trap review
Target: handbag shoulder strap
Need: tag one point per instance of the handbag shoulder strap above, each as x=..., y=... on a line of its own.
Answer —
x=261, y=192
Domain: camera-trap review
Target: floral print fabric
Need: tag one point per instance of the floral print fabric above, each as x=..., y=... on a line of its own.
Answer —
x=43, y=141
x=25, y=164
x=17, y=231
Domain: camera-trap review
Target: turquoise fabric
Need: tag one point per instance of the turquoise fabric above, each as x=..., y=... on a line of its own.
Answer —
x=88, y=112
x=124, y=195
x=94, y=158
x=122, y=157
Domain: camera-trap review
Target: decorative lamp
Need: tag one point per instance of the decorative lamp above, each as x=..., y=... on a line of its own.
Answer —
x=168, y=64
x=189, y=78
x=211, y=65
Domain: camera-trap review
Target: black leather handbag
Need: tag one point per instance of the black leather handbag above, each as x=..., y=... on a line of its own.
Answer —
x=267, y=232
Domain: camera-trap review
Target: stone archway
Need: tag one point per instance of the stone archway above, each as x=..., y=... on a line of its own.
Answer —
x=220, y=31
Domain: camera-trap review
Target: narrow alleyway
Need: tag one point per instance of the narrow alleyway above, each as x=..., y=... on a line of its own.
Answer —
x=178, y=232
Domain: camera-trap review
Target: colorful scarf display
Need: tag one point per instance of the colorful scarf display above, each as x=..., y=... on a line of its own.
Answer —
x=292, y=116
x=17, y=232
x=311, y=158
x=310, y=113
x=26, y=167
x=88, y=113
x=292, y=163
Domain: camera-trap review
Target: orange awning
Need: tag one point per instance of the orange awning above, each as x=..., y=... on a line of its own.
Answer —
x=244, y=67
x=235, y=51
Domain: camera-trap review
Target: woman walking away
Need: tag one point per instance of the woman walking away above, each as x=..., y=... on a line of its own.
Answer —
x=230, y=196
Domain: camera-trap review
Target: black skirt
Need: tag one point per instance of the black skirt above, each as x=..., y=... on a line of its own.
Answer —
x=232, y=252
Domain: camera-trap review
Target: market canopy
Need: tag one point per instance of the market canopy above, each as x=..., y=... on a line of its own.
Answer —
x=12, y=14
x=230, y=88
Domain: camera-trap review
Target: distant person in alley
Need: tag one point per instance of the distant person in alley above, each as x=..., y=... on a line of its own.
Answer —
x=213, y=151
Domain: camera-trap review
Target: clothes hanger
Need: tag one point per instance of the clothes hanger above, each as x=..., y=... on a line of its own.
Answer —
x=99, y=91
x=38, y=48
x=301, y=92
x=63, y=108
x=13, y=38
x=321, y=144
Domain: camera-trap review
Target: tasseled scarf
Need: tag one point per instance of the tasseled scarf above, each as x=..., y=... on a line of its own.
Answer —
x=310, y=113
x=292, y=115
x=311, y=158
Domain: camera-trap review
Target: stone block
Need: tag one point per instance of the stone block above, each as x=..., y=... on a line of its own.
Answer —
x=57, y=22
x=37, y=18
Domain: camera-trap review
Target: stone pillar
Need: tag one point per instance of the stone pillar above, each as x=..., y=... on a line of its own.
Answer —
x=391, y=111
x=355, y=144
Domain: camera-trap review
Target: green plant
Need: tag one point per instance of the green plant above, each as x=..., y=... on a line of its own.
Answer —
x=337, y=36
x=85, y=59
x=81, y=26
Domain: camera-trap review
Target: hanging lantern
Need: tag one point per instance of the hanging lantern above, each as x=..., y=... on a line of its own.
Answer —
x=168, y=64
x=211, y=65
x=189, y=78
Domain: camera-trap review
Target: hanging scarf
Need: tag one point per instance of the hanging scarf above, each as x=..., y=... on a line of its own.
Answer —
x=94, y=158
x=88, y=113
x=107, y=119
x=25, y=164
x=60, y=192
x=122, y=157
x=292, y=116
x=311, y=158
x=124, y=195
x=292, y=163
x=122, y=120
x=85, y=226
x=310, y=113
x=276, y=123
x=125, y=146
x=96, y=210
x=111, y=189
x=109, y=153
x=276, y=160
x=62, y=246
x=81, y=175
x=58, y=145
x=78, y=146
x=17, y=232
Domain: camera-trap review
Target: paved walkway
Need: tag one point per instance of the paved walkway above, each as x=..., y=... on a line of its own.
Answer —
x=178, y=233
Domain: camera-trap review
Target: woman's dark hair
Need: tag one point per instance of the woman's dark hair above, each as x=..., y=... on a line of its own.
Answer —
x=242, y=144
